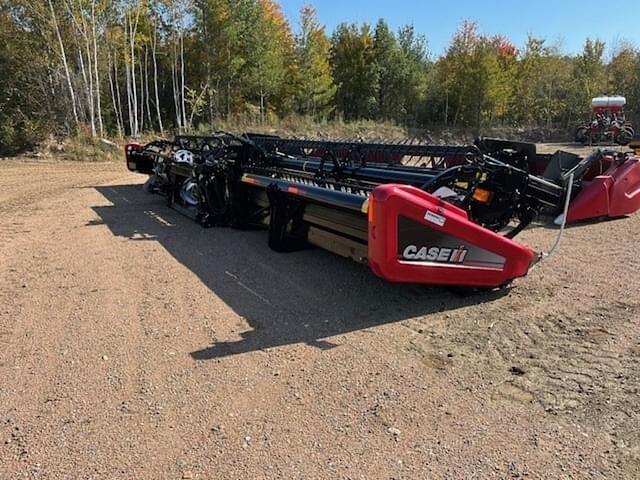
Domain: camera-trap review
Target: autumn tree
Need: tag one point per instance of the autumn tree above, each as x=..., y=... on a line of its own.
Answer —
x=457, y=76
x=127, y=67
x=474, y=81
x=498, y=62
x=272, y=60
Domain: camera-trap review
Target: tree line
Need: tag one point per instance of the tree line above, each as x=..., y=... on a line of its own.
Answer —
x=131, y=66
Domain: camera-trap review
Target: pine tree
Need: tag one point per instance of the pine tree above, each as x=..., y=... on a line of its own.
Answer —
x=388, y=72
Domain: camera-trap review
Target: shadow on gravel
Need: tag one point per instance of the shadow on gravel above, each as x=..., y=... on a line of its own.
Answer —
x=300, y=297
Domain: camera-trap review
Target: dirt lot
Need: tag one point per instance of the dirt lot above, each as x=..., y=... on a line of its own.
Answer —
x=136, y=345
x=577, y=148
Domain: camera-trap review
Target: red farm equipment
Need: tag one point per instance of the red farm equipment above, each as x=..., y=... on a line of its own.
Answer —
x=608, y=123
x=606, y=183
x=424, y=214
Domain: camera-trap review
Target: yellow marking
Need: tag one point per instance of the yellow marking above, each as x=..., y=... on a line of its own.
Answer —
x=364, y=208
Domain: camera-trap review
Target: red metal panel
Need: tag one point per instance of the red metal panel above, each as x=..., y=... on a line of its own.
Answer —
x=389, y=203
x=624, y=194
x=616, y=193
x=592, y=201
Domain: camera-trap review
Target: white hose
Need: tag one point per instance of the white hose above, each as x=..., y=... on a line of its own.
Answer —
x=563, y=222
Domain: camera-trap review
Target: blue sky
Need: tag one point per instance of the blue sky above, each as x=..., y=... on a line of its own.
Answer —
x=566, y=21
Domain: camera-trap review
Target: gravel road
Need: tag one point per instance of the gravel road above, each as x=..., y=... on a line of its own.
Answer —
x=136, y=345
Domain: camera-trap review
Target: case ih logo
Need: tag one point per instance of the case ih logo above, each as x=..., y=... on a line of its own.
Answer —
x=435, y=254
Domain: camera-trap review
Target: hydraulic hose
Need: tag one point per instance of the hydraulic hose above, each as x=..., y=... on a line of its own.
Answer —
x=556, y=244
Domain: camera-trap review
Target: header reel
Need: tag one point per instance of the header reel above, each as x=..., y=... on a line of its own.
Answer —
x=456, y=206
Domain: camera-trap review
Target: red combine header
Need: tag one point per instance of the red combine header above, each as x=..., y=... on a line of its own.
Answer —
x=445, y=215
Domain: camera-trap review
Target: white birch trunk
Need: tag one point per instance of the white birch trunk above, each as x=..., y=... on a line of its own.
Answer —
x=174, y=78
x=142, y=96
x=118, y=96
x=133, y=29
x=155, y=78
x=184, y=110
x=113, y=98
x=127, y=67
x=95, y=65
x=146, y=86
x=65, y=64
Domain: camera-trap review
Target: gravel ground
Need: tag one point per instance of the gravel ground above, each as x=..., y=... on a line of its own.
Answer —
x=577, y=148
x=136, y=345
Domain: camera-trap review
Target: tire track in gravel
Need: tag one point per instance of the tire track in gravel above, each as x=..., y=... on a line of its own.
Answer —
x=573, y=351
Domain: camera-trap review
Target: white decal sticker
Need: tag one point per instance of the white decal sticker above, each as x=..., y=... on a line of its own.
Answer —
x=435, y=218
x=435, y=254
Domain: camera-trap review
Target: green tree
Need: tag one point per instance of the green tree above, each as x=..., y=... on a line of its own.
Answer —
x=275, y=51
x=623, y=70
x=388, y=71
x=30, y=78
x=354, y=71
x=315, y=89
x=623, y=78
x=497, y=63
x=543, y=86
x=590, y=73
x=458, y=77
x=414, y=78
x=400, y=68
x=475, y=78
x=224, y=26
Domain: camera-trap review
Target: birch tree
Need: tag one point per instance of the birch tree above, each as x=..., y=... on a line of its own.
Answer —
x=63, y=55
